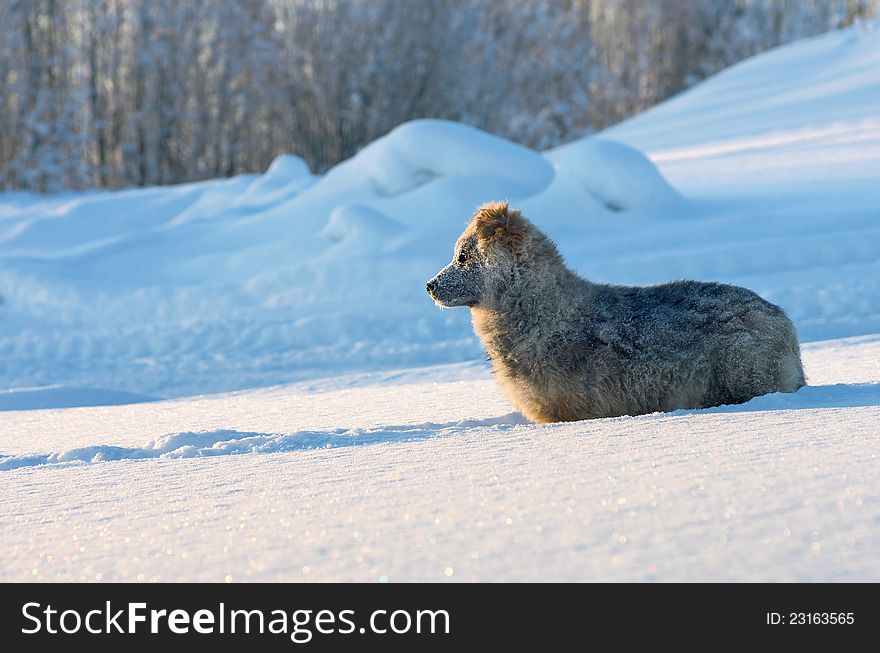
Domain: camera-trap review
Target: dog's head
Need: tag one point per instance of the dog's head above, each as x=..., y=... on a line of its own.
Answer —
x=495, y=242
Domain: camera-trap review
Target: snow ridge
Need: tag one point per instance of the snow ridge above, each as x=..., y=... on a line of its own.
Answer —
x=230, y=442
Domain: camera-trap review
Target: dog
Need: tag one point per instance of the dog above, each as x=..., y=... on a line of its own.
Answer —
x=563, y=348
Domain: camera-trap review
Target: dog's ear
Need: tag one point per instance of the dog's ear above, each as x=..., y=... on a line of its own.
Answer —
x=497, y=223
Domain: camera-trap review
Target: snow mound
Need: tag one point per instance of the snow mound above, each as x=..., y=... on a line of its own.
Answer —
x=357, y=227
x=420, y=151
x=619, y=176
x=286, y=177
x=284, y=169
x=78, y=221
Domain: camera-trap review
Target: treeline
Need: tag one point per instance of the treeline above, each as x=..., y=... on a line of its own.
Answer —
x=111, y=93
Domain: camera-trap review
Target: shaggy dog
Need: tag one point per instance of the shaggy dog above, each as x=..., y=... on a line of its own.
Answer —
x=563, y=348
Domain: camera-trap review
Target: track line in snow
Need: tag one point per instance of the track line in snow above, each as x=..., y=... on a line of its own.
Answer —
x=222, y=442
x=225, y=442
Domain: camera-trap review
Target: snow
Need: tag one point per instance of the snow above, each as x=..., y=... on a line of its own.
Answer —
x=422, y=151
x=796, y=116
x=56, y=396
x=619, y=176
x=358, y=228
x=304, y=412
x=404, y=476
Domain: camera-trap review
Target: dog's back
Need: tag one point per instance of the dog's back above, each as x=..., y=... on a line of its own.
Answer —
x=691, y=344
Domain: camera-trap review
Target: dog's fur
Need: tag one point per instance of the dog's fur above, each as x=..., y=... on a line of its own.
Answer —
x=564, y=348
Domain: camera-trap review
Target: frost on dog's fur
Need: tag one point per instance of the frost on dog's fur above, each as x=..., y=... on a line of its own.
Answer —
x=564, y=348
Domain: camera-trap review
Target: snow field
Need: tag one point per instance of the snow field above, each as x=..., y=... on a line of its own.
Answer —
x=421, y=478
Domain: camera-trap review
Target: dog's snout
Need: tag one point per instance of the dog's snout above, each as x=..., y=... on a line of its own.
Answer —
x=431, y=285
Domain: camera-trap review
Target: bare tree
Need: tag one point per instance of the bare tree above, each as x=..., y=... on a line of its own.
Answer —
x=110, y=93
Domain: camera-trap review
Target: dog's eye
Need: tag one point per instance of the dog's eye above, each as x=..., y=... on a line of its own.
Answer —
x=462, y=258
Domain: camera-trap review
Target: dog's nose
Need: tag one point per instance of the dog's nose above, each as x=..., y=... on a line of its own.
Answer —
x=430, y=285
